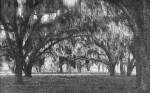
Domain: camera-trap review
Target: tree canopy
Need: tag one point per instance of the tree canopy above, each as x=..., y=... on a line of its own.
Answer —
x=116, y=27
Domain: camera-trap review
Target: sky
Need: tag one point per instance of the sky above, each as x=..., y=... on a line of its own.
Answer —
x=70, y=3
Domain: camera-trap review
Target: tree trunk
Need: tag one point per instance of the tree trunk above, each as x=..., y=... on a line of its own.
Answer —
x=122, y=72
x=39, y=68
x=145, y=71
x=28, y=69
x=79, y=66
x=18, y=71
x=88, y=67
x=112, y=69
x=19, y=63
x=57, y=67
x=68, y=67
x=129, y=70
x=61, y=69
x=99, y=67
x=144, y=47
x=138, y=74
x=145, y=81
x=130, y=67
x=61, y=62
x=103, y=69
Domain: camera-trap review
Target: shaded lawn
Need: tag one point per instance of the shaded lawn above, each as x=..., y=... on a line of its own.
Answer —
x=69, y=84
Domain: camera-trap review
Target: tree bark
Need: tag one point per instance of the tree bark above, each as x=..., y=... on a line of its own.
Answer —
x=61, y=69
x=99, y=67
x=144, y=48
x=61, y=62
x=87, y=65
x=79, y=66
x=18, y=71
x=112, y=69
x=130, y=67
x=68, y=66
x=40, y=69
x=138, y=74
x=19, y=59
x=145, y=71
x=129, y=70
x=122, y=72
x=28, y=69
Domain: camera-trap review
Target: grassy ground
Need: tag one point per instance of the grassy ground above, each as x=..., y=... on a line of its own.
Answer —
x=69, y=84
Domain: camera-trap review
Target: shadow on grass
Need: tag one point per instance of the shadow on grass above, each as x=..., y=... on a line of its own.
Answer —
x=69, y=84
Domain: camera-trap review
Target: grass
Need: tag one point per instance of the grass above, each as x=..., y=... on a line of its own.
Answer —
x=69, y=84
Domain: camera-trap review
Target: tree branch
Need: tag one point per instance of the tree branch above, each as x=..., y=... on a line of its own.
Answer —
x=8, y=37
x=104, y=48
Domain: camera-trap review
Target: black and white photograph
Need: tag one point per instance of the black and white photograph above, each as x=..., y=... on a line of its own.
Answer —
x=74, y=46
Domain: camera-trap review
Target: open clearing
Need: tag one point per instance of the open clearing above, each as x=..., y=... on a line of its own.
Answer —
x=69, y=84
